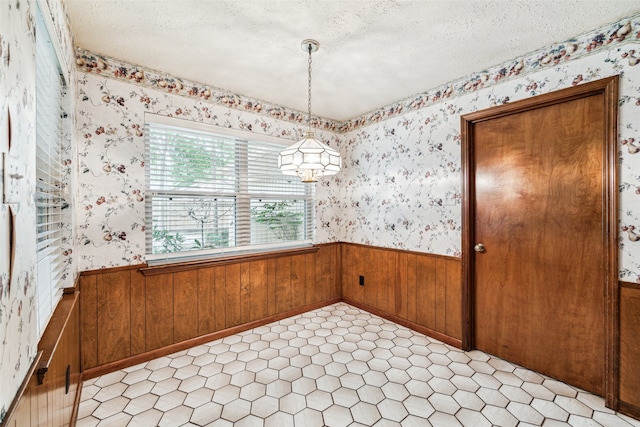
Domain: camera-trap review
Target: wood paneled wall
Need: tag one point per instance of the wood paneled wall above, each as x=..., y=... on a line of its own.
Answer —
x=133, y=311
x=50, y=403
x=629, y=382
x=421, y=291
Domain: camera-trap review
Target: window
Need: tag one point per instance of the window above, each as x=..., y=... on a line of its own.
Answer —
x=49, y=201
x=214, y=191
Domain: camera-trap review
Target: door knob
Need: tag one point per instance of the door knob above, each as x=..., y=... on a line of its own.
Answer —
x=479, y=248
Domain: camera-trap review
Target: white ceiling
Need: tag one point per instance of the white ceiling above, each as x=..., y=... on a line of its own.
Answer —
x=372, y=52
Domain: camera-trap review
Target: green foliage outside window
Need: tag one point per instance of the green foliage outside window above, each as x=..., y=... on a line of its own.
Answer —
x=281, y=219
x=168, y=242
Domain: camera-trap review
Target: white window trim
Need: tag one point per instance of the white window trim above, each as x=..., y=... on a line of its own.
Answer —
x=195, y=255
x=49, y=264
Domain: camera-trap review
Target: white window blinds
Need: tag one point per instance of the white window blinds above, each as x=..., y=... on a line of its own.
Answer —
x=215, y=191
x=49, y=201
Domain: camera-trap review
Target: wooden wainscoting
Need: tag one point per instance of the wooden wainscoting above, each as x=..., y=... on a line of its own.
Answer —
x=136, y=313
x=50, y=394
x=629, y=382
x=420, y=291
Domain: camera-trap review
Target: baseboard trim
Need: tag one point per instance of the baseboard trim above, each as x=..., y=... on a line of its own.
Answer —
x=455, y=342
x=629, y=410
x=183, y=345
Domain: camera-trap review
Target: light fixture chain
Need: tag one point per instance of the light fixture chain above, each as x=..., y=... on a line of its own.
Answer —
x=309, y=94
x=309, y=158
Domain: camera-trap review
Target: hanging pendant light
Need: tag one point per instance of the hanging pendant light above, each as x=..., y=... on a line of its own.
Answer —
x=309, y=158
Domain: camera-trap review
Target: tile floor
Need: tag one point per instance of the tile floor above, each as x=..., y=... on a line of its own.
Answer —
x=335, y=366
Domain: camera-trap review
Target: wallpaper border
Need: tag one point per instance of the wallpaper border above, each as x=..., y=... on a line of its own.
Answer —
x=620, y=32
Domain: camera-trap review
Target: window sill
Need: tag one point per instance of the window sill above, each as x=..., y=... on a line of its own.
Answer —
x=223, y=260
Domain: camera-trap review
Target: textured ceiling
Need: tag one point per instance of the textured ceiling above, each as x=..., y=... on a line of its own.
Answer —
x=372, y=52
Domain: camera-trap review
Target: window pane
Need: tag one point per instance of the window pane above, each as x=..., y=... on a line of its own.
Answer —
x=186, y=223
x=191, y=162
x=265, y=176
x=277, y=221
x=219, y=193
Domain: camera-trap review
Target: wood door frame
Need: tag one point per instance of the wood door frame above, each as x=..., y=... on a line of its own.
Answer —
x=609, y=88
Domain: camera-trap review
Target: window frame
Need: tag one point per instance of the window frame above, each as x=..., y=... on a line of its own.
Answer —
x=50, y=194
x=242, y=196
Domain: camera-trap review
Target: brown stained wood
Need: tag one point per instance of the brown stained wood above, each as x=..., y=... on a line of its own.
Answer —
x=206, y=300
x=52, y=340
x=335, y=251
x=630, y=345
x=628, y=409
x=220, y=310
x=271, y=287
x=298, y=276
x=347, y=265
x=47, y=403
x=34, y=399
x=381, y=274
x=20, y=411
x=89, y=313
x=259, y=287
x=323, y=278
x=453, y=305
x=159, y=311
x=392, y=263
x=68, y=354
x=363, y=246
x=21, y=414
x=539, y=285
x=283, y=285
x=185, y=308
x=42, y=405
x=137, y=306
x=328, y=272
x=441, y=295
x=154, y=354
x=346, y=273
x=310, y=287
x=114, y=316
x=358, y=268
x=401, y=279
x=224, y=260
x=412, y=288
x=218, y=295
x=426, y=291
x=372, y=270
x=245, y=292
x=101, y=271
x=73, y=358
x=232, y=289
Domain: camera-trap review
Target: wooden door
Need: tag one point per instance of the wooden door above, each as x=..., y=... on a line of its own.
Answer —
x=540, y=198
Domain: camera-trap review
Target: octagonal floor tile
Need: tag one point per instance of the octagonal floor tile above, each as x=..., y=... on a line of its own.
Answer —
x=335, y=366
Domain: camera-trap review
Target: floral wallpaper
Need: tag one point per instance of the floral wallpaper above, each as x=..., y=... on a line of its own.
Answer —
x=400, y=186
x=151, y=79
x=18, y=324
x=623, y=32
x=620, y=33
x=110, y=119
x=401, y=183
